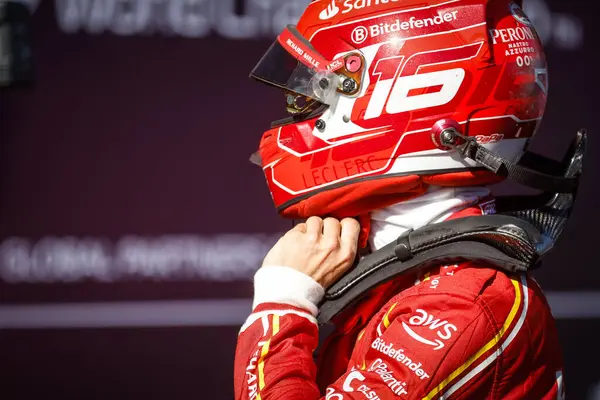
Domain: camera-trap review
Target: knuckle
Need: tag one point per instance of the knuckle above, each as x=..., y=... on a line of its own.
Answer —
x=331, y=220
x=291, y=234
x=310, y=238
x=299, y=227
x=348, y=256
x=314, y=219
x=330, y=245
x=351, y=222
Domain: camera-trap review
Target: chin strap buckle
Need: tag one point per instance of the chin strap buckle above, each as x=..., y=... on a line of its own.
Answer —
x=453, y=139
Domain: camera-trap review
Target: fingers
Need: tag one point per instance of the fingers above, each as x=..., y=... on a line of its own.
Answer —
x=350, y=230
x=321, y=249
x=314, y=228
x=301, y=227
x=332, y=234
x=332, y=229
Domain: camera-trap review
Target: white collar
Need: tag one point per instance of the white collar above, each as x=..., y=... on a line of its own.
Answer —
x=434, y=206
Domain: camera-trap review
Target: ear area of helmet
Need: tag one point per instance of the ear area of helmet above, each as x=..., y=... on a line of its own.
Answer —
x=343, y=76
x=351, y=73
x=446, y=134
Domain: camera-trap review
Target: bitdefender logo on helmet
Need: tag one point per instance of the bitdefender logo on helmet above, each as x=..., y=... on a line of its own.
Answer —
x=411, y=23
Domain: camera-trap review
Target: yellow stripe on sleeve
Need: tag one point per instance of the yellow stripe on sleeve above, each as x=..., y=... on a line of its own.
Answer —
x=263, y=353
x=261, y=364
x=275, y=324
x=361, y=334
x=386, y=320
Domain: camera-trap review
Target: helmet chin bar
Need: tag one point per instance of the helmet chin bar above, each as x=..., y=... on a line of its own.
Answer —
x=558, y=181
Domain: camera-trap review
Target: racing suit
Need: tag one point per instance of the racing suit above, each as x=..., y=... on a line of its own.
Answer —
x=456, y=332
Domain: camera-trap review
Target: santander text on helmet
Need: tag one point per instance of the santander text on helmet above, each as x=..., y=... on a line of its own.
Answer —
x=350, y=5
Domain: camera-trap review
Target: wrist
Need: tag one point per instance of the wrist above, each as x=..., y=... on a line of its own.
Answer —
x=285, y=285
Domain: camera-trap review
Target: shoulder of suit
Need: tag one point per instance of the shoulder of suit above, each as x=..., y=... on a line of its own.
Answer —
x=486, y=288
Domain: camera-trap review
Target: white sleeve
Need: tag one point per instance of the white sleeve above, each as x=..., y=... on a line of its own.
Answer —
x=287, y=286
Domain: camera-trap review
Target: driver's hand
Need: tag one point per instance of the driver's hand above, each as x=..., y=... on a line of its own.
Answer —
x=322, y=249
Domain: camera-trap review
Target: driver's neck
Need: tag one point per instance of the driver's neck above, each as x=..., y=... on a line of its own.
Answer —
x=439, y=203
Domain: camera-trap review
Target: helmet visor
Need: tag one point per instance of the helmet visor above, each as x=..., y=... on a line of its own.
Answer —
x=292, y=64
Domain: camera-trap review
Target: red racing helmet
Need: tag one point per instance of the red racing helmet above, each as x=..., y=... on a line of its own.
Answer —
x=388, y=97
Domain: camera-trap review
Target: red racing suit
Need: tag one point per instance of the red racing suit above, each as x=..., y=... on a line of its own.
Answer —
x=459, y=332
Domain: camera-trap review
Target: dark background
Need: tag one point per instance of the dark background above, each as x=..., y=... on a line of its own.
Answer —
x=140, y=128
